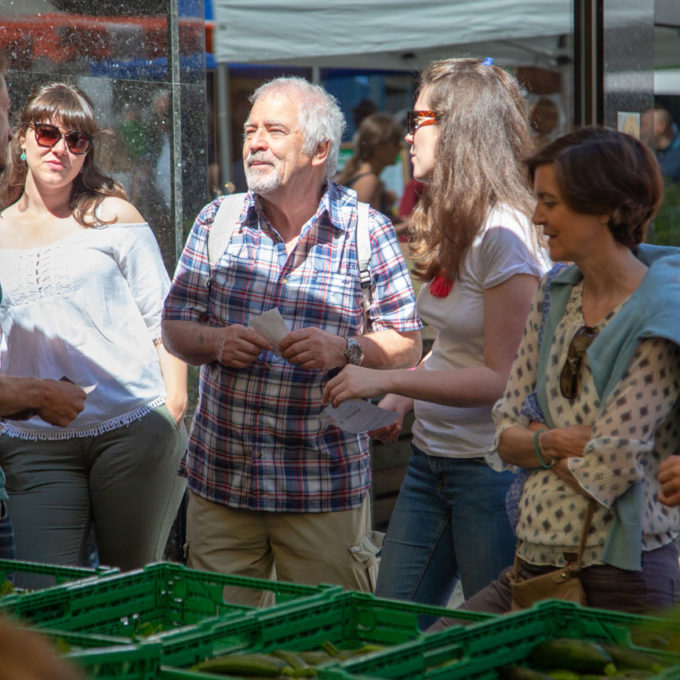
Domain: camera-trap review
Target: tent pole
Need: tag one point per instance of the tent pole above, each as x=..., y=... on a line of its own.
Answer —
x=224, y=125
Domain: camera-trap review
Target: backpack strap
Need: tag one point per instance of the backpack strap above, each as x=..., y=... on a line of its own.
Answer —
x=227, y=218
x=364, y=259
x=225, y=221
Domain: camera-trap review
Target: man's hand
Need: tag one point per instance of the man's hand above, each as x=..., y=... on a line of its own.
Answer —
x=669, y=478
x=242, y=345
x=313, y=348
x=60, y=401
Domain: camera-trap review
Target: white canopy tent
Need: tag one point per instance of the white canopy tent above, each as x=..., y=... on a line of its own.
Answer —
x=387, y=34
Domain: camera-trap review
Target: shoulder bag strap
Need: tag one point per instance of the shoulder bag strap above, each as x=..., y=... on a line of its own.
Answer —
x=364, y=259
x=584, y=533
x=225, y=221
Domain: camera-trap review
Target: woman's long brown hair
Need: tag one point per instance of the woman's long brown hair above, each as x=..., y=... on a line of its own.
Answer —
x=483, y=138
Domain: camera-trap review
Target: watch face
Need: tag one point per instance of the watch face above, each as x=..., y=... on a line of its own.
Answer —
x=354, y=353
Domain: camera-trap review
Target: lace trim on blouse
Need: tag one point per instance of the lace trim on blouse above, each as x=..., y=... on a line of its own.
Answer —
x=11, y=429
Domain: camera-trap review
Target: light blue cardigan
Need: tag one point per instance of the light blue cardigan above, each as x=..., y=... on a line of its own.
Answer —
x=653, y=310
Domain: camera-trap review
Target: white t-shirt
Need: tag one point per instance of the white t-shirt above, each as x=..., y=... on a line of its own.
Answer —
x=504, y=247
x=87, y=307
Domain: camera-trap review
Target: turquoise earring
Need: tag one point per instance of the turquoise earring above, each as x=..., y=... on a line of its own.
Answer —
x=23, y=156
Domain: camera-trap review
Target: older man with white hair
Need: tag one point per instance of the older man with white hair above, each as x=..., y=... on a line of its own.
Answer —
x=276, y=491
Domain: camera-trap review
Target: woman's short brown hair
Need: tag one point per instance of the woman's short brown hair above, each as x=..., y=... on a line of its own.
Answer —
x=604, y=172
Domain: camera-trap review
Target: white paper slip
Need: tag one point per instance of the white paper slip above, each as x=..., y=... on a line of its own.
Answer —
x=357, y=415
x=271, y=325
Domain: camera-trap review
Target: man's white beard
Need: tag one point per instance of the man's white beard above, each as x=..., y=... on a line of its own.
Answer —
x=263, y=181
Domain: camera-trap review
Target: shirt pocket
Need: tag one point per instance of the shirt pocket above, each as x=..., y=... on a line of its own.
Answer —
x=240, y=285
x=336, y=300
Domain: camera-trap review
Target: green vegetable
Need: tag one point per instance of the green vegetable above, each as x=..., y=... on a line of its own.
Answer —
x=581, y=656
x=148, y=628
x=627, y=658
x=293, y=659
x=247, y=665
x=314, y=657
x=521, y=673
x=564, y=674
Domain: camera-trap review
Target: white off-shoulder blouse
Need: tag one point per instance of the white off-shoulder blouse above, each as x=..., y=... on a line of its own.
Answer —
x=88, y=308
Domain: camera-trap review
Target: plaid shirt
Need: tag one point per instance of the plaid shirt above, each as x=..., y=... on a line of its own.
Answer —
x=259, y=440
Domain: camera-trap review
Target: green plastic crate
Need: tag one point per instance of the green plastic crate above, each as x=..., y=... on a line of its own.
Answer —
x=347, y=619
x=126, y=662
x=56, y=573
x=161, y=596
x=478, y=652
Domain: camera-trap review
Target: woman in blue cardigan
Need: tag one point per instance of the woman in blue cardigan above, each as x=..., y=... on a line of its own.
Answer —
x=591, y=406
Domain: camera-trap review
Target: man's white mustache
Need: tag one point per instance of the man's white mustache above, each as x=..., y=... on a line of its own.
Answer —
x=260, y=158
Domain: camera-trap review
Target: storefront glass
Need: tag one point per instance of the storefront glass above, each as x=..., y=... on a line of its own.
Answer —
x=661, y=124
x=143, y=65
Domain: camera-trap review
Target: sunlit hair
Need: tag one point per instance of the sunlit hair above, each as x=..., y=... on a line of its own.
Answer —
x=70, y=108
x=374, y=131
x=483, y=138
x=604, y=172
x=319, y=115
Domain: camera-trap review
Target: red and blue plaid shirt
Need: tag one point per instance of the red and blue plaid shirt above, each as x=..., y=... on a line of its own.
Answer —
x=259, y=440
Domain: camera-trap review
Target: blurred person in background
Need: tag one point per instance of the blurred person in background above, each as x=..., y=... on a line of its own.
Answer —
x=376, y=147
x=658, y=130
x=544, y=119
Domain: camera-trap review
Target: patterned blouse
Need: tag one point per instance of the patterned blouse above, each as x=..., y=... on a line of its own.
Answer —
x=632, y=432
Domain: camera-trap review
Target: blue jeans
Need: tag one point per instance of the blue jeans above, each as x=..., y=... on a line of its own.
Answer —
x=449, y=523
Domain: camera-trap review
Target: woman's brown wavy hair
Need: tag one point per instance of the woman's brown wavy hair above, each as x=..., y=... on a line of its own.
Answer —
x=483, y=138
x=600, y=171
x=69, y=106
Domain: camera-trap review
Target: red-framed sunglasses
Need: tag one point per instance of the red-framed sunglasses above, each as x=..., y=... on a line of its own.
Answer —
x=47, y=135
x=417, y=119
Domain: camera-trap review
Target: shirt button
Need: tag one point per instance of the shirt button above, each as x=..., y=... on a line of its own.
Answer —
x=284, y=280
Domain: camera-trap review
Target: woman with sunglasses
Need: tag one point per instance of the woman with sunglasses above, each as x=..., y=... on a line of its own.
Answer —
x=601, y=364
x=480, y=260
x=83, y=286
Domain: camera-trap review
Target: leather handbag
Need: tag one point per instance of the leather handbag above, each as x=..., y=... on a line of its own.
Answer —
x=558, y=584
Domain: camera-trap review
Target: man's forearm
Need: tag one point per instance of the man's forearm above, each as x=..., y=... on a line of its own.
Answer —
x=19, y=394
x=195, y=343
x=390, y=349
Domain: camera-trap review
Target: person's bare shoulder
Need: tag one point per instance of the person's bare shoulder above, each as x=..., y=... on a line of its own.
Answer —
x=118, y=210
x=369, y=189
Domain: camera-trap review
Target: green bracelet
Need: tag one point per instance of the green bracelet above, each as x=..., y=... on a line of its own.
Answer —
x=537, y=449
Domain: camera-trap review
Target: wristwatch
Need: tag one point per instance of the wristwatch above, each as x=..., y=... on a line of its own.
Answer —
x=353, y=352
